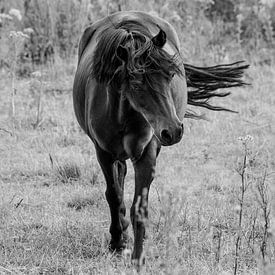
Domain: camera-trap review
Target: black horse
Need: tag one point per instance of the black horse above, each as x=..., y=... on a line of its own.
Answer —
x=131, y=91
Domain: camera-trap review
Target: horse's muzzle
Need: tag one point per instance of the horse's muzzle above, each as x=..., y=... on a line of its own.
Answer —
x=171, y=136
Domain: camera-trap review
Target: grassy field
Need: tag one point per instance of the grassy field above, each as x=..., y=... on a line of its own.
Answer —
x=208, y=214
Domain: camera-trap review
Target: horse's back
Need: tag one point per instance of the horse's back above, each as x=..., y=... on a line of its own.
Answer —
x=153, y=22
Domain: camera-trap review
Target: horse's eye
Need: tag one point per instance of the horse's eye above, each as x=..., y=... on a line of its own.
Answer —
x=171, y=75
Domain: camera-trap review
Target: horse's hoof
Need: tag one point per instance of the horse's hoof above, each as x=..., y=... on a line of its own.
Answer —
x=118, y=246
x=138, y=263
x=138, y=260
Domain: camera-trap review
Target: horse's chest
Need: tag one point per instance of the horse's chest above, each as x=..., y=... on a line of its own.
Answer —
x=105, y=129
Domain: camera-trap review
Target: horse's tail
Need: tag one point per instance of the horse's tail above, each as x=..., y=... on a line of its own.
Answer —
x=203, y=83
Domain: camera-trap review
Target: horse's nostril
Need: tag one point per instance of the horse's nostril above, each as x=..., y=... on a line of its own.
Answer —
x=166, y=136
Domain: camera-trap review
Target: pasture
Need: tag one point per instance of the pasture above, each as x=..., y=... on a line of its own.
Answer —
x=54, y=216
x=211, y=205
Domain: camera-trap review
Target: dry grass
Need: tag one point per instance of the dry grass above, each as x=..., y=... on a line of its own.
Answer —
x=54, y=218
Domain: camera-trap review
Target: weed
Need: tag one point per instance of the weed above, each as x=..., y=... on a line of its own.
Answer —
x=245, y=183
x=16, y=39
x=263, y=199
x=80, y=203
x=68, y=172
x=37, y=87
x=65, y=172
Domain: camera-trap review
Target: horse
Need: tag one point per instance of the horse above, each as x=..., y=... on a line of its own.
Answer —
x=131, y=94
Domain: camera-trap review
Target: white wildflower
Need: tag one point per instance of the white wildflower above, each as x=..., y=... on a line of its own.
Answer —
x=5, y=16
x=17, y=35
x=23, y=35
x=12, y=34
x=28, y=30
x=249, y=138
x=36, y=74
x=16, y=13
x=246, y=139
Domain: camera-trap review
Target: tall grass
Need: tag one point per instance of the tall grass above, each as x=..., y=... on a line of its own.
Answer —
x=211, y=206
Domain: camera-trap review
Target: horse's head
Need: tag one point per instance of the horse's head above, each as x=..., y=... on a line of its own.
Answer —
x=148, y=73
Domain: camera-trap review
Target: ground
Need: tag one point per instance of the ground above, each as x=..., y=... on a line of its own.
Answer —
x=54, y=217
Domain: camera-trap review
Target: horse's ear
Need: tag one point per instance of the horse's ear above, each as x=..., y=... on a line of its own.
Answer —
x=122, y=53
x=160, y=39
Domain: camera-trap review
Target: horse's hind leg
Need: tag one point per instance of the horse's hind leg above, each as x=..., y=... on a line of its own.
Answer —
x=114, y=172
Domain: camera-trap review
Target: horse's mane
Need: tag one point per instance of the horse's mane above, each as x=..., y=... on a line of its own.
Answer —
x=146, y=59
x=143, y=57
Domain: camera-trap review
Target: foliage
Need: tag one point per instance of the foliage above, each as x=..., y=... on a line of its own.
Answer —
x=210, y=30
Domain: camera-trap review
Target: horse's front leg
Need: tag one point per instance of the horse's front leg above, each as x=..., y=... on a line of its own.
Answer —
x=114, y=172
x=144, y=175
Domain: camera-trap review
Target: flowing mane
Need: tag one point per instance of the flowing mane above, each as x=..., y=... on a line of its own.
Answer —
x=143, y=57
